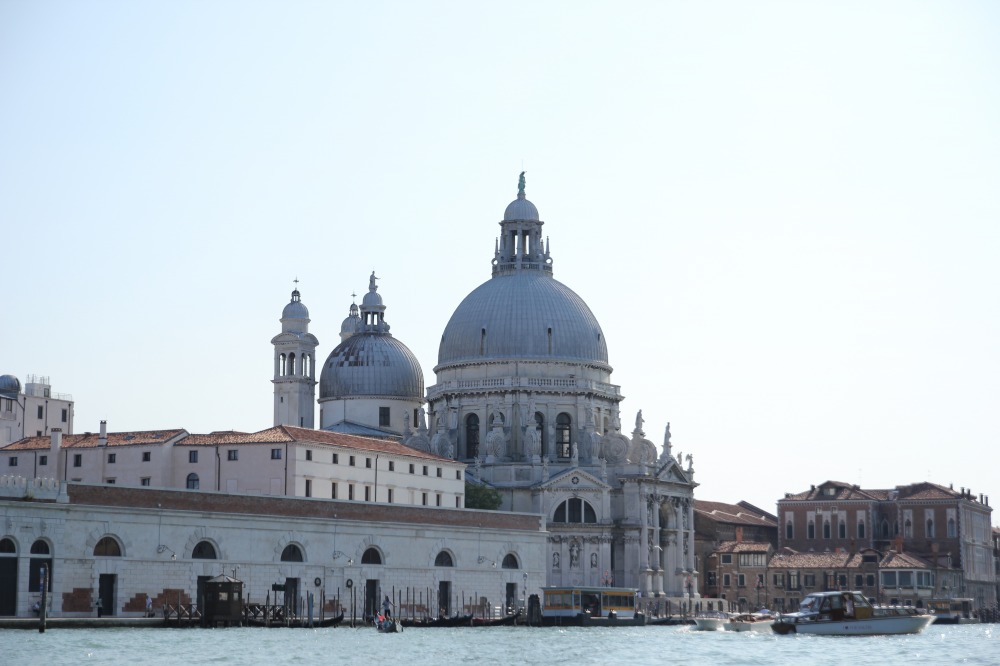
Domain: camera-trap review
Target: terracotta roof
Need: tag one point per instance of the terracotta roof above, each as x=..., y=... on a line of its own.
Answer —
x=743, y=547
x=732, y=513
x=92, y=440
x=790, y=559
x=276, y=435
x=288, y=434
x=894, y=560
x=923, y=490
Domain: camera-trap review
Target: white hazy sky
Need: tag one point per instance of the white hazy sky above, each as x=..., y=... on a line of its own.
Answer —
x=784, y=214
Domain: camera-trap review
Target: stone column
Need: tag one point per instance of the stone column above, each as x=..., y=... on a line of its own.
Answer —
x=660, y=552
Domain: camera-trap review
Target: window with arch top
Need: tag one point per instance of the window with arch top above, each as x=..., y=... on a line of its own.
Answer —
x=203, y=550
x=7, y=547
x=575, y=510
x=371, y=556
x=292, y=553
x=509, y=562
x=564, y=439
x=443, y=559
x=192, y=481
x=472, y=436
x=107, y=547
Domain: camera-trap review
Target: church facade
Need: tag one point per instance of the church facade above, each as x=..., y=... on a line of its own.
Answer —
x=523, y=395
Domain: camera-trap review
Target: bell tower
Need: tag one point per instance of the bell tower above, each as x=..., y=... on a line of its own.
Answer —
x=295, y=367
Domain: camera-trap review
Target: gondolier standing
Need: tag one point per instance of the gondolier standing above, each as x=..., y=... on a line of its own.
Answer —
x=387, y=606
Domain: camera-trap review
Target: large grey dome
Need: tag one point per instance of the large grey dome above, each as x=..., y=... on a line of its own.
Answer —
x=10, y=386
x=520, y=209
x=371, y=364
x=523, y=315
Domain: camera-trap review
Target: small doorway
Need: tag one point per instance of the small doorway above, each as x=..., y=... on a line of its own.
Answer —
x=8, y=586
x=444, y=598
x=371, y=597
x=511, y=597
x=292, y=596
x=106, y=593
x=199, y=594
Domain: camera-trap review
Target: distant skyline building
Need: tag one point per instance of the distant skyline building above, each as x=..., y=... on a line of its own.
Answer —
x=33, y=411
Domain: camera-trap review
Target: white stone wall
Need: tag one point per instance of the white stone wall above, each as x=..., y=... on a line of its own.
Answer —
x=157, y=545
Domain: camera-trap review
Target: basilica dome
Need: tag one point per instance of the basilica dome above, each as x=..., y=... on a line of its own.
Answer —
x=523, y=315
x=522, y=312
x=371, y=364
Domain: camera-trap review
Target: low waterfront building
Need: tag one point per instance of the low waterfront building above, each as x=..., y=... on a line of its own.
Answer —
x=117, y=545
x=716, y=523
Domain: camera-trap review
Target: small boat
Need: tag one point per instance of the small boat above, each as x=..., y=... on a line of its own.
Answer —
x=750, y=622
x=849, y=614
x=456, y=621
x=951, y=611
x=711, y=620
x=386, y=625
x=505, y=621
x=590, y=606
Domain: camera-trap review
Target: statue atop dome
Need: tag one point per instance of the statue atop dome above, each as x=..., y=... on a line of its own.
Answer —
x=520, y=185
x=371, y=282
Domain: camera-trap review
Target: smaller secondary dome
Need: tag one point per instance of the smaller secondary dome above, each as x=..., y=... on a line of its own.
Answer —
x=352, y=324
x=296, y=309
x=520, y=209
x=9, y=385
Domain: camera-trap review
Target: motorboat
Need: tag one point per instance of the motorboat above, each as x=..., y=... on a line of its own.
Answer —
x=952, y=611
x=750, y=622
x=711, y=620
x=849, y=614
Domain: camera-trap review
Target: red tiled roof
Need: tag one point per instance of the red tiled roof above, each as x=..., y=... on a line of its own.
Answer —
x=276, y=435
x=92, y=440
x=743, y=547
x=731, y=513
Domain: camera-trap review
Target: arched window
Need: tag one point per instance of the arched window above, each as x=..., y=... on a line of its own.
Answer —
x=282, y=364
x=107, y=547
x=789, y=530
x=564, y=441
x=443, y=559
x=40, y=557
x=292, y=553
x=543, y=436
x=861, y=529
x=952, y=532
x=574, y=510
x=192, y=481
x=908, y=529
x=371, y=556
x=291, y=364
x=842, y=530
x=811, y=530
x=203, y=550
x=472, y=436
x=509, y=562
x=885, y=529
x=826, y=529
x=8, y=547
x=930, y=528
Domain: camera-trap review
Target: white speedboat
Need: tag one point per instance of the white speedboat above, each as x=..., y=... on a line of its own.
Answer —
x=849, y=614
x=750, y=622
x=711, y=621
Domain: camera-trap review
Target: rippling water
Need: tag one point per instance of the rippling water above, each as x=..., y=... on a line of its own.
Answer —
x=966, y=644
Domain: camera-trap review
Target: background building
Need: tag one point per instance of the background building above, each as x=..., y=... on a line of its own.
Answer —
x=34, y=411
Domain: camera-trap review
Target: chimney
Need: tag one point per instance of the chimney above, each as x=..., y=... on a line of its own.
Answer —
x=899, y=544
x=56, y=441
x=103, y=437
x=739, y=535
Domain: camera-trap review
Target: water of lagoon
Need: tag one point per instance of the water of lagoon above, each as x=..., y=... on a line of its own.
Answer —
x=977, y=644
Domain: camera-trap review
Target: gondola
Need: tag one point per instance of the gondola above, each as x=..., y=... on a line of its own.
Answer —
x=456, y=621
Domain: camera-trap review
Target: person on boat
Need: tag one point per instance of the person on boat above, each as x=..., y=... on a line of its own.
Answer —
x=387, y=606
